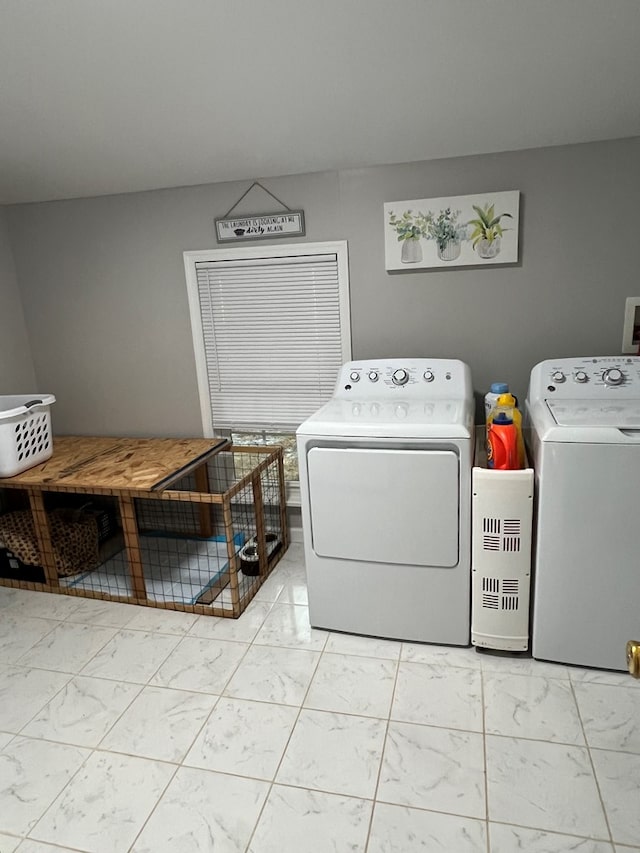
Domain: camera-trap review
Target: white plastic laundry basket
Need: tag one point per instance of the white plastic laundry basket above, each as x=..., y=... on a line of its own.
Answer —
x=25, y=432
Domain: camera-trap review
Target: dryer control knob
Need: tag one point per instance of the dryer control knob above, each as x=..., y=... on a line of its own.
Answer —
x=613, y=376
x=373, y=376
x=354, y=377
x=581, y=376
x=428, y=376
x=558, y=376
x=400, y=377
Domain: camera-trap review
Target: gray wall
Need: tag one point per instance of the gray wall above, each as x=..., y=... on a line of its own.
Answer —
x=16, y=366
x=566, y=296
x=105, y=297
x=102, y=280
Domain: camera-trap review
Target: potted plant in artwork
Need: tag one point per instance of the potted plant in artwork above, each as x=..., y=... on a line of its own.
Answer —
x=447, y=232
x=409, y=228
x=487, y=232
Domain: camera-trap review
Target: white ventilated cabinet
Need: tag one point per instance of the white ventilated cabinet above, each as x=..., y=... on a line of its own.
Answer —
x=502, y=518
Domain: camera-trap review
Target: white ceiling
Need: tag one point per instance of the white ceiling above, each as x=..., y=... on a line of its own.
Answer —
x=110, y=96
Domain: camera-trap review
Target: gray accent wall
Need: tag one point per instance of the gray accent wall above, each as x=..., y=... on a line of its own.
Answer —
x=16, y=366
x=579, y=231
x=103, y=287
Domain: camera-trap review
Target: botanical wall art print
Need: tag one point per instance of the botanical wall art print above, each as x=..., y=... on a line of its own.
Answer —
x=457, y=231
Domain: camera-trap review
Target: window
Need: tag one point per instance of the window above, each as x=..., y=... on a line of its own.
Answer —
x=271, y=330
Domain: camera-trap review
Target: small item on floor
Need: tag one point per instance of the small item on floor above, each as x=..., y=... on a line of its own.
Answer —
x=249, y=556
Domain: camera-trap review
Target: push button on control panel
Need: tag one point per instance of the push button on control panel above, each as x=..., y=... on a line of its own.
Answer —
x=401, y=411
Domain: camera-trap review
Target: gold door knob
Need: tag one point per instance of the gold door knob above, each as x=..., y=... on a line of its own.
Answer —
x=633, y=657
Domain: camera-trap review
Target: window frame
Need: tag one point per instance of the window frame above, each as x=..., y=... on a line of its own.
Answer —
x=338, y=248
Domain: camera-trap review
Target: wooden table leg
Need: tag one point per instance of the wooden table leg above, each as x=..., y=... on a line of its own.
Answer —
x=284, y=526
x=43, y=536
x=232, y=557
x=256, y=484
x=204, y=510
x=132, y=544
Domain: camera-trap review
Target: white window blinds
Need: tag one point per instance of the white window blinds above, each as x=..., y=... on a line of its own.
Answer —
x=273, y=338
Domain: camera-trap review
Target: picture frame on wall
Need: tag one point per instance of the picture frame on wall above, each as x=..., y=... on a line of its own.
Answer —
x=453, y=231
x=631, y=330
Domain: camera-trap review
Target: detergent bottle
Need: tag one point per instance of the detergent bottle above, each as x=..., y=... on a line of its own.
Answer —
x=508, y=404
x=491, y=397
x=502, y=441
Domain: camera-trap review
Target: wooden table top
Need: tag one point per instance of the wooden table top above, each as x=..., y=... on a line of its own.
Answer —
x=127, y=464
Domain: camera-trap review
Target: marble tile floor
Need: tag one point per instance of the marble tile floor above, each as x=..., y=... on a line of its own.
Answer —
x=131, y=729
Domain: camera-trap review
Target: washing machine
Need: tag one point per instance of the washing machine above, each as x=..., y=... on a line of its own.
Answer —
x=385, y=478
x=583, y=427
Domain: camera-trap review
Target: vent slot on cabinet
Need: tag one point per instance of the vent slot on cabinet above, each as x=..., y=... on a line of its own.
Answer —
x=491, y=525
x=501, y=534
x=500, y=595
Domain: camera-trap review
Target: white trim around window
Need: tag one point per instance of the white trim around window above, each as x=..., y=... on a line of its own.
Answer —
x=316, y=257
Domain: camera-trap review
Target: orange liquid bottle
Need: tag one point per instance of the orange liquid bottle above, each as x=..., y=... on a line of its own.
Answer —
x=502, y=443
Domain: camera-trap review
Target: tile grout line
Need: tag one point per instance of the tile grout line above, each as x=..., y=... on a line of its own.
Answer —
x=60, y=793
x=558, y=832
x=323, y=652
x=591, y=764
x=42, y=707
x=55, y=624
x=284, y=751
x=93, y=750
x=484, y=754
x=181, y=764
x=384, y=748
x=155, y=806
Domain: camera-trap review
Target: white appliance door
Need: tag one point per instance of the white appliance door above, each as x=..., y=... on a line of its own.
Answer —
x=385, y=506
x=587, y=578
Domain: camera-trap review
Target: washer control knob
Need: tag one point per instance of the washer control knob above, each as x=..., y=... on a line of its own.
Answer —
x=581, y=376
x=354, y=377
x=400, y=377
x=558, y=376
x=373, y=376
x=428, y=376
x=613, y=376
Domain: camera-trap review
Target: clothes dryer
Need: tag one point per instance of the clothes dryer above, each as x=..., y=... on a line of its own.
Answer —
x=385, y=478
x=583, y=427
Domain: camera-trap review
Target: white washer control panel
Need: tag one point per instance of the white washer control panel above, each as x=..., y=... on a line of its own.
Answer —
x=411, y=378
x=598, y=378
